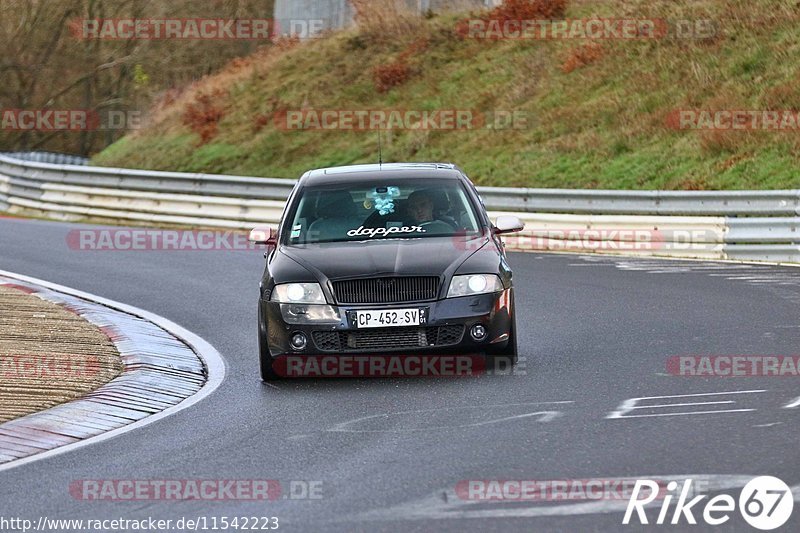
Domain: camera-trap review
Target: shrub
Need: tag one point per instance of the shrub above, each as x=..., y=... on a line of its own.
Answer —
x=529, y=10
x=203, y=115
x=391, y=75
x=398, y=72
x=581, y=56
x=719, y=142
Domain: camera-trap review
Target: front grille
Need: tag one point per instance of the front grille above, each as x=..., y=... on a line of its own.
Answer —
x=386, y=290
x=327, y=341
x=449, y=335
x=387, y=339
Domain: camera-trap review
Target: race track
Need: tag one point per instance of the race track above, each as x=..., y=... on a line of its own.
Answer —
x=594, y=332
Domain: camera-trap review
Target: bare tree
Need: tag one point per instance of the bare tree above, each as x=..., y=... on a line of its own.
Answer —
x=46, y=65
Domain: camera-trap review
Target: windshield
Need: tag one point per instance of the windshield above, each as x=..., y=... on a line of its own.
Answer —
x=382, y=209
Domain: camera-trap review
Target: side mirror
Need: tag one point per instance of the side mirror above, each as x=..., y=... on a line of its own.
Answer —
x=508, y=224
x=264, y=235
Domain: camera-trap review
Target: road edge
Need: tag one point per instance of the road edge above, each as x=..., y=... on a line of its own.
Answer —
x=208, y=355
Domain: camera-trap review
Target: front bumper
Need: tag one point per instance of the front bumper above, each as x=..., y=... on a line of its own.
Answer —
x=447, y=329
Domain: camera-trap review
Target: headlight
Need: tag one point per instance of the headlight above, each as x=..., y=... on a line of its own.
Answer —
x=474, y=284
x=298, y=293
x=310, y=314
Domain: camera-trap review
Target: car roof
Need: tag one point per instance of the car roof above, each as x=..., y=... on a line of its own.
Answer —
x=333, y=175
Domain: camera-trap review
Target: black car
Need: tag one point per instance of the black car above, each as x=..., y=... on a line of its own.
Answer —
x=386, y=260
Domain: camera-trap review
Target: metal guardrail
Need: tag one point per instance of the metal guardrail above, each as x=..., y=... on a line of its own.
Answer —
x=54, y=158
x=748, y=225
x=704, y=203
x=601, y=202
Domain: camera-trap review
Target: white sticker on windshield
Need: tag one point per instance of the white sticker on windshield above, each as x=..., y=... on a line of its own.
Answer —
x=383, y=232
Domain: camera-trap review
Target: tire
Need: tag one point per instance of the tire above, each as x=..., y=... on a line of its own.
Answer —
x=503, y=359
x=265, y=358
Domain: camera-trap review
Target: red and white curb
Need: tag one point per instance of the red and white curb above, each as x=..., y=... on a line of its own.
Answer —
x=166, y=369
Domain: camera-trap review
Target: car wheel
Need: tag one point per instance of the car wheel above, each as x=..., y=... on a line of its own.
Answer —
x=265, y=358
x=502, y=359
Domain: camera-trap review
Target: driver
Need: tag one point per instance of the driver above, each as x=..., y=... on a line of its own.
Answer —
x=420, y=209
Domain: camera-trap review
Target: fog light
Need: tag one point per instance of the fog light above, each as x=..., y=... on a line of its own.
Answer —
x=299, y=341
x=478, y=332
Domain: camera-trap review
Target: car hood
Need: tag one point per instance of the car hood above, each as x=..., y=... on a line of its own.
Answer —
x=432, y=256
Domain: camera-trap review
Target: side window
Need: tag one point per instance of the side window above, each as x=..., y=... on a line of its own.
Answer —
x=286, y=208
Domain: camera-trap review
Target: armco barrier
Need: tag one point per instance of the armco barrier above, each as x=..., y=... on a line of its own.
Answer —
x=698, y=203
x=746, y=225
x=48, y=157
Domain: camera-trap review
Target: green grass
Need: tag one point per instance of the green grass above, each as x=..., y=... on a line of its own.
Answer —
x=599, y=126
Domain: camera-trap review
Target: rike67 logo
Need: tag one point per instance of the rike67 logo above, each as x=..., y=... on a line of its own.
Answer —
x=765, y=503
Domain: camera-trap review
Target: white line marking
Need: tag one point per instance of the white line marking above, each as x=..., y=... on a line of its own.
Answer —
x=731, y=263
x=701, y=394
x=724, y=267
x=545, y=416
x=213, y=360
x=687, y=413
x=794, y=403
x=631, y=404
x=775, y=279
x=689, y=404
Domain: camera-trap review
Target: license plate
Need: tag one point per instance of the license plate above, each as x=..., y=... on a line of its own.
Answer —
x=389, y=318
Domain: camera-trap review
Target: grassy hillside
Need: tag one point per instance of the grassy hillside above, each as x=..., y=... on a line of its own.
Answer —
x=597, y=112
